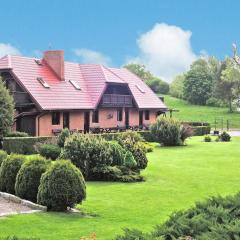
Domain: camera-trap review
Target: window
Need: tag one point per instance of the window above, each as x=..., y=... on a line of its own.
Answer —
x=43, y=82
x=95, y=116
x=55, y=118
x=140, y=89
x=147, y=115
x=75, y=84
x=119, y=115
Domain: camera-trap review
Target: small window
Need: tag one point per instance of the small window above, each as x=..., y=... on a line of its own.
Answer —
x=43, y=82
x=38, y=62
x=119, y=115
x=95, y=116
x=75, y=84
x=147, y=115
x=55, y=118
x=140, y=89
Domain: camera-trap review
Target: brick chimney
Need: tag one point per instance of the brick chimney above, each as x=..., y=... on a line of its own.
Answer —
x=55, y=60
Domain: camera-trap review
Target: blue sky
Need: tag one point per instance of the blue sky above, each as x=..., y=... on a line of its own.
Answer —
x=166, y=36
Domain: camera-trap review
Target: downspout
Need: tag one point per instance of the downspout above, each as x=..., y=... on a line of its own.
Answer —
x=38, y=120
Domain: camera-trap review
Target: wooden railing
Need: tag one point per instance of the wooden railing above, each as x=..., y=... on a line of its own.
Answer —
x=20, y=98
x=117, y=100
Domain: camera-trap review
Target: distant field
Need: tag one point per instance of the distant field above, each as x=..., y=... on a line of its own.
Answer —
x=188, y=112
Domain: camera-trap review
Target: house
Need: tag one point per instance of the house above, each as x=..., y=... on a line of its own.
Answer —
x=51, y=94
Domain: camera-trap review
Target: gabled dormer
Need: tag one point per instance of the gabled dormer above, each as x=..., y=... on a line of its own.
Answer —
x=117, y=95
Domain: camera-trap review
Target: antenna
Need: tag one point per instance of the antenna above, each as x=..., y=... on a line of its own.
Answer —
x=50, y=46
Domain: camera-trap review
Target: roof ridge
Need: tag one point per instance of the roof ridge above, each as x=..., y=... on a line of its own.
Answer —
x=108, y=69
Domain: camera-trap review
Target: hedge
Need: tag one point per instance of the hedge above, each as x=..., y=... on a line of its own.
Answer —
x=201, y=130
x=22, y=145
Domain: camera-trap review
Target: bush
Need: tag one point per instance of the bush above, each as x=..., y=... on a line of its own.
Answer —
x=8, y=172
x=50, y=151
x=167, y=131
x=201, y=130
x=118, y=153
x=186, y=131
x=65, y=133
x=217, y=218
x=28, y=178
x=16, y=134
x=129, y=160
x=61, y=186
x=207, y=138
x=3, y=155
x=225, y=137
x=133, y=136
x=23, y=145
x=87, y=151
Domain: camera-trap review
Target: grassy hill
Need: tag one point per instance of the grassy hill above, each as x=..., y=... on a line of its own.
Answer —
x=189, y=112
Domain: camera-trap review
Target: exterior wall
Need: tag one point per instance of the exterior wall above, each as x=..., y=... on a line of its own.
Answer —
x=107, y=119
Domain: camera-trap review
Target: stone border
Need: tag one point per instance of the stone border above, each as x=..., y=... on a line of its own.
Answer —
x=15, y=199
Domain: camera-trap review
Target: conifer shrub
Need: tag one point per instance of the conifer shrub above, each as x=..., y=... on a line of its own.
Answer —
x=8, y=172
x=61, y=186
x=65, y=133
x=3, y=155
x=87, y=151
x=49, y=151
x=225, y=137
x=207, y=138
x=28, y=177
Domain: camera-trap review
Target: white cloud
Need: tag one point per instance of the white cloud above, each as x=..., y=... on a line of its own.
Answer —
x=6, y=48
x=90, y=56
x=165, y=50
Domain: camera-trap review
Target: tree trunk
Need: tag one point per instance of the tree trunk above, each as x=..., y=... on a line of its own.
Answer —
x=230, y=105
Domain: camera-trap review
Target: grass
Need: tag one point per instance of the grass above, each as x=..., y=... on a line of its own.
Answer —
x=176, y=178
x=189, y=112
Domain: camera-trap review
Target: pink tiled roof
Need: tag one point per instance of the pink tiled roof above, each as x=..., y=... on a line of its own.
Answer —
x=92, y=79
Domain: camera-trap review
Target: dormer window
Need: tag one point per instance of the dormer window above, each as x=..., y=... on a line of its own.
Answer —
x=140, y=89
x=75, y=84
x=43, y=82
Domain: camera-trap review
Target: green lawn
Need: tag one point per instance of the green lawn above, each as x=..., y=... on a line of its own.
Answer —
x=176, y=178
x=189, y=112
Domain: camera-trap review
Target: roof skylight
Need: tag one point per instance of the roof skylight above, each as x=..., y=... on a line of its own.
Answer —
x=43, y=82
x=38, y=62
x=75, y=84
x=140, y=89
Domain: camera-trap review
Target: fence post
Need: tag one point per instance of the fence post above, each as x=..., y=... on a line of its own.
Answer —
x=228, y=125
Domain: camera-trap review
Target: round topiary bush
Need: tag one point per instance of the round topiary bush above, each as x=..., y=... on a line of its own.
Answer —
x=50, y=151
x=225, y=137
x=8, y=172
x=3, y=155
x=61, y=186
x=28, y=177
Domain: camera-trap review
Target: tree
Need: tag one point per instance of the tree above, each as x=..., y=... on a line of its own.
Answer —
x=6, y=109
x=155, y=83
x=176, y=87
x=228, y=86
x=198, y=84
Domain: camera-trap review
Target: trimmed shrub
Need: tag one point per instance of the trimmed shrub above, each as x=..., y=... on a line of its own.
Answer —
x=3, y=155
x=28, y=178
x=61, y=186
x=129, y=160
x=16, y=134
x=167, y=131
x=132, y=135
x=106, y=173
x=118, y=153
x=23, y=145
x=201, y=130
x=8, y=172
x=207, y=138
x=65, y=133
x=87, y=151
x=49, y=151
x=225, y=137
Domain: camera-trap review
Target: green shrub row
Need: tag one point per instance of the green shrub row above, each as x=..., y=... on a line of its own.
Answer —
x=201, y=130
x=22, y=145
x=57, y=185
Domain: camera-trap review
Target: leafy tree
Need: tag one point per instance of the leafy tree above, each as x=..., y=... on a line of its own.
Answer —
x=176, y=87
x=6, y=109
x=228, y=86
x=155, y=83
x=198, y=84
